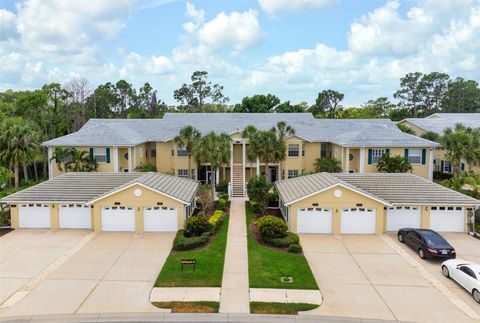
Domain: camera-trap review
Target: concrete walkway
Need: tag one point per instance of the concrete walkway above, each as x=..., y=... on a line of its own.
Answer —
x=234, y=296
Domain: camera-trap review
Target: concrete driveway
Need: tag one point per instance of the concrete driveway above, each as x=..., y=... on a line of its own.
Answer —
x=361, y=276
x=113, y=272
x=467, y=248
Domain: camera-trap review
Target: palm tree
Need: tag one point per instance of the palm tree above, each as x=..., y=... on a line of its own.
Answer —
x=329, y=165
x=472, y=154
x=187, y=137
x=59, y=156
x=212, y=149
x=456, y=143
x=78, y=160
x=249, y=133
x=282, y=130
x=224, y=146
x=397, y=164
x=265, y=145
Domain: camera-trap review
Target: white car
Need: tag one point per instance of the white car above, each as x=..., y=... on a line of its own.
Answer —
x=465, y=273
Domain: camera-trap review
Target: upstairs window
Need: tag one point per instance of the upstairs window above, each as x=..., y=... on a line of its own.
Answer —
x=323, y=150
x=293, y=150
x=100, y=155
x=415, y=156
x=181, y=151
x=292, y=173
x=377, y=154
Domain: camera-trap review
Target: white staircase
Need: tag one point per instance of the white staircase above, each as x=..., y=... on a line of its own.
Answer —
x=237, y=182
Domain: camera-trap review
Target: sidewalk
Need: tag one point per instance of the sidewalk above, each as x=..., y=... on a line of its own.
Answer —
x=235, y=296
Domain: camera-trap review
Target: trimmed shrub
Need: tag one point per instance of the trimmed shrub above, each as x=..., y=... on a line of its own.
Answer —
x=258, y=189
x=273, y=199
x=146, y=168
x=216, y=219
x=182, y=242
x=221, y=204
x=295, y=248
x=197, y=225
x=224, y=196
x=272, y=227
x=255, y=207
x=285, y=242
x=222, y=187
x=441, y=175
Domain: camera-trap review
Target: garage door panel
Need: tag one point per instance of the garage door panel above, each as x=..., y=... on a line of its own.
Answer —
x=314, y=220
x=160, y=219
x=75, y=216
x=118, y=218
x=358, y=221
x=447, y=219
x=34, y=216
x=403, y=217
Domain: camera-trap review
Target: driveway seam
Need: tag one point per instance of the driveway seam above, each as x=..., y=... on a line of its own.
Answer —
x=368, y=279
x=437, y=284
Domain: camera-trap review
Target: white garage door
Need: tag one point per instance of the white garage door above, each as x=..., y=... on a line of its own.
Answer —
x=160, y=219
x=447, y=219
x=314, y=220
x=358, y=220
x=403, y=217
x=118, y=218
x=75, y=216
x=34, y=216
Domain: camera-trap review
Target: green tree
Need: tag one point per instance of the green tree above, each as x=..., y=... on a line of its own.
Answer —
x=265, y=146
x=259, y=103
x=287, y=107
x=396, y=164
x=434, y=86
x=282, y=130
x=405, y=128
x=187, y=138
x=380, y=107
x=258, y=189
x=192, y=96
x=77, y=160
x=5, y=176
x=249, y=133
x=329, y=165
x=430, y=135
x=327, y=104
x=461, y=96
x=411, y=92
x=456, y=142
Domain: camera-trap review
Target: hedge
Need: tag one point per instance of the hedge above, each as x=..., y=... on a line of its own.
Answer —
x=284, y=242
x=187, y=243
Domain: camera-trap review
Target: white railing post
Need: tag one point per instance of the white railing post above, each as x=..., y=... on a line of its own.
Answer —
x=230, y=195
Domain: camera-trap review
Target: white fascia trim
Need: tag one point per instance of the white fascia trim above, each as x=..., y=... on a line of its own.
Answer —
x=44, y=202
x=130, y=185
x=301, y=138
x=344, y=186
x=437, y=204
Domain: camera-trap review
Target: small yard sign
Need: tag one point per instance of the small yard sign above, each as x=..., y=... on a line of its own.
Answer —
x=190, y=262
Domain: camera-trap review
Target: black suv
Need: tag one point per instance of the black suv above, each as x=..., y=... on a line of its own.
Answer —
x=427, y=243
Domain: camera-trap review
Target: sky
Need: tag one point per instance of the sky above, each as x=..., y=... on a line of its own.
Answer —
x=293, y=49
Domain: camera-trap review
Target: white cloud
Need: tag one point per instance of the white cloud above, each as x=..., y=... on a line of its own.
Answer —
x=153, y=65
x=273, y=7
x=8, y=29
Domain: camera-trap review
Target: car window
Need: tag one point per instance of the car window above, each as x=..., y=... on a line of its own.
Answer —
x=468, y=271
x=433, y=239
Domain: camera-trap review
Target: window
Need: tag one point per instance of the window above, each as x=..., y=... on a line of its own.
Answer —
x=193, y=174
x=293, y=150
x=447, y=167
x=182, y=173
x=181, y=151
x=172, y=149
x=292, y=173
x=468, y=271
x=377, y=154
x=303, y=150
x=415, y=156
x=100, y=155
x=153, y=149
x=323, y=150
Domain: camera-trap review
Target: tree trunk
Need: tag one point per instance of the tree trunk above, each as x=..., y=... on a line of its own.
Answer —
x=267, y=172
x=251, y=170
x=25, y=170
x=35, y=171
x=189, y=166
x=224, y=170
x=279, y=175
x=212, y=180
x=17, y=177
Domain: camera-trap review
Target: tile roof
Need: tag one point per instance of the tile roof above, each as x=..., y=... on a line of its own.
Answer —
x=438, y=122
x=396, y=189
x=128, y=132
x=85, y=187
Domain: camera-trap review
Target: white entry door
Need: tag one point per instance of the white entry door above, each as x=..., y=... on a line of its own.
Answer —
x=447, y=219
x=160, y=219
x=75, y=216
x=358, y=220
x=118, y=218
x=403, y=217
x=34, y=216
x=314, y=220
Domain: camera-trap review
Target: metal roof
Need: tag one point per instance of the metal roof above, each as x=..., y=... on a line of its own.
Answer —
x=438, y=122
x=347, y=132
x=395, y=189
x=85, y=187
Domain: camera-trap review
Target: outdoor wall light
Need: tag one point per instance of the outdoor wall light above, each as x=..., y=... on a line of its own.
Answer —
x=359, y=204
x=117, y=203
x=314, y=204
x=159, y=203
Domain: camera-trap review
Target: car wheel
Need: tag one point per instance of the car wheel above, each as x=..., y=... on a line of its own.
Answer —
x=421, y=254
x=400, y=238
x=445, y=271
x=476, y=295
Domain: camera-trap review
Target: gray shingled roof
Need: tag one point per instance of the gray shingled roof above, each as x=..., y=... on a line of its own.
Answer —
x=86, y=187
x=395, y=189
x=440, y=121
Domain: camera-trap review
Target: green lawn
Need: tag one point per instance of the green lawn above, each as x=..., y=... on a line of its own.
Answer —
x=280, y=308
x=190, y=307
x=209, y=267
x=267, y=266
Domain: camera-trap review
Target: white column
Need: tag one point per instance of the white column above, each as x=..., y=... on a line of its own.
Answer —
x=231, y=162
x=50, y=167
x=343, y=160
x=217, y=176
x=129, y=159
x=134, y=157
x=430, y=172
x=258, y=167
x=347, y=160
x=362, y=160
x=244, y=160
x=115, y=159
